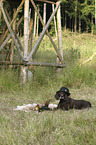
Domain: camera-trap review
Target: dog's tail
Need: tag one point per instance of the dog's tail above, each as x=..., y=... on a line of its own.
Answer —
x=90, y=104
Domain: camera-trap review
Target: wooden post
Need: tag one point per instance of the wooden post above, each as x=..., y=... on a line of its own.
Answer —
x=95, y=15
x=26, y=37
x=59, y=32
x=44, y=15
x=18, y=24
x=54, y=21
x=35, y=23
x=12, y=44
x=0, y=15
x=30, y=34
x=26, y=28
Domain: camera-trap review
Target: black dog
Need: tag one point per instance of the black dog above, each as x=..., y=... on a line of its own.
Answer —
x=67, y=103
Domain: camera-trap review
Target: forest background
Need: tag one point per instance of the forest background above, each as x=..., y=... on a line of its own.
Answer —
x=76, y=15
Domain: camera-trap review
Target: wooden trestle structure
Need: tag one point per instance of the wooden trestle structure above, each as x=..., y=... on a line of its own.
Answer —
x=23, y=51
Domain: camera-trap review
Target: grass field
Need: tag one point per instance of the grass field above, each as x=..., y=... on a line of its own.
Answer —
x=75, y=127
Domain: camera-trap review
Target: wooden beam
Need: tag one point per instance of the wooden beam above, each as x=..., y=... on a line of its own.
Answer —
x=35, y=23
x=43, y=32
x=4, y=43
x=18, y=9
x=32, y=64
x=59, y=31
x=12, y=43
x=30, y=34
x=44, y=14
x=11, y=32
x=14, y=30
x=46, y=1
x=54, y=20
x=18, y=23
x=26, y=28
x=54, y=45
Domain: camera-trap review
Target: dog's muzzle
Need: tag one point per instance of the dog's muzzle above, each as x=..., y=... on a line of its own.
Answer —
x=62, y=97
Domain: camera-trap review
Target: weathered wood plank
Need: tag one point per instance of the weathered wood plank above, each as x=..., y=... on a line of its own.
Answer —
x=32, y=64
x=4, y=43
x=59, y=31
x=26, y=27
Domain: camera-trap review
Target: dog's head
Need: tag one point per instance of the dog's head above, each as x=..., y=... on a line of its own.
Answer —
x=63, y=93
x=61, y=96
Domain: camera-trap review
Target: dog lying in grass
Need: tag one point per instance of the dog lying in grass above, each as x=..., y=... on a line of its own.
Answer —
x=67, y=103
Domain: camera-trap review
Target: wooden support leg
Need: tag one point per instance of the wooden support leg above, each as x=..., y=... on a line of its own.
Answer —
x=11, y=32
x=54, y=21
x=44, y=15
x=54, y=45
x=4, y=43
x=35, y=23
x=26, y=37
x=35, y=48
x=18, y=9
x=59, y=34
x=59, y=31
x=12, y=44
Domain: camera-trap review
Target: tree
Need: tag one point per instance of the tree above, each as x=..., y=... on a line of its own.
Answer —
x=88, y=9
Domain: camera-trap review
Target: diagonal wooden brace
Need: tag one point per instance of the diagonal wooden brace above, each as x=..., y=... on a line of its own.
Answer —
x=35, y=48
x=4, y=43
x=54, y=45
x=11, y=32
x=12, y=20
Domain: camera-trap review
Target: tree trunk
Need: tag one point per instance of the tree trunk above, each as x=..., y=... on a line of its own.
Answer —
x=65, y=20
x=79, y=24
x=72, y=24
x=76, y=17
x=92, y=24
x=63, y=15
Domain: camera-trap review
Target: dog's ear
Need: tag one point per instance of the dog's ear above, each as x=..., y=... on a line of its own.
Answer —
x=57, y=96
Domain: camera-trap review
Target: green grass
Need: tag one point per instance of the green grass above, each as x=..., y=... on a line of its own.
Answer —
x=48, y=127
x=75, y=127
